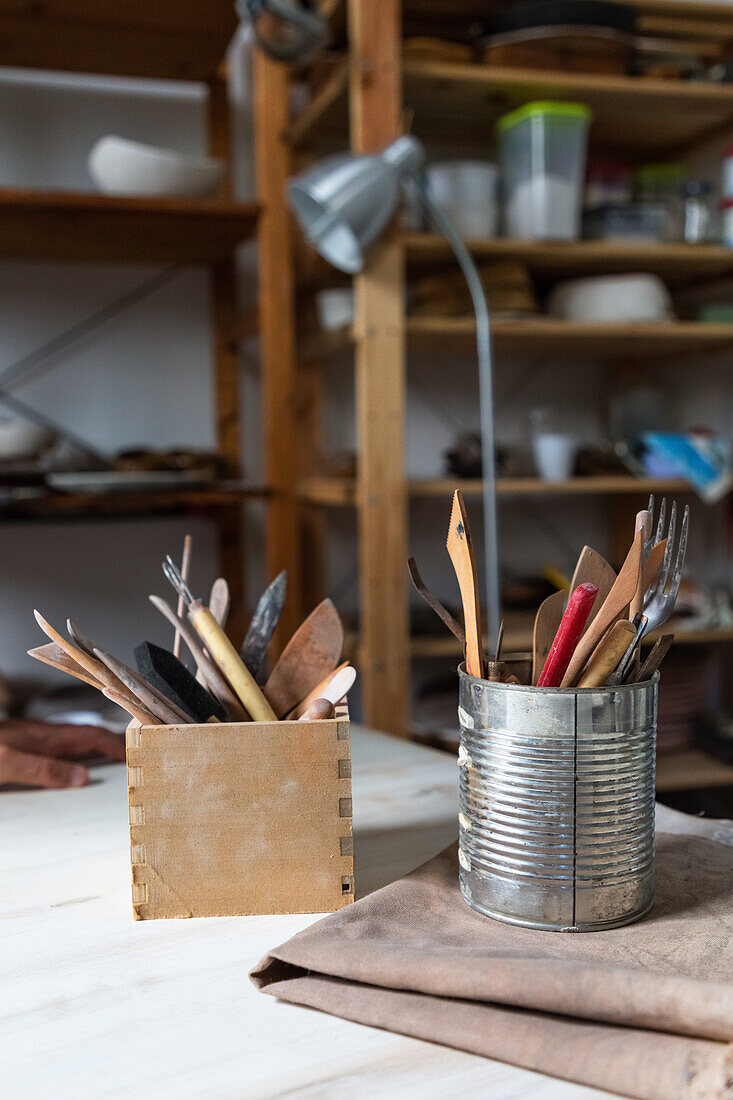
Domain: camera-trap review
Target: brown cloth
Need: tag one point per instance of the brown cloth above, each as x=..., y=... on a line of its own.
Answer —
x=643, y=1011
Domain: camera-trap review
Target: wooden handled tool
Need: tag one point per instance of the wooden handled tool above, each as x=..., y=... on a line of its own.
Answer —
x=317, y=693
x=134, y=709
x=460, y=549
x=185, y=569
x=53, y=655
x=568, y=635
x=496, y=669
x=337, y=689
x=628, y=665
x=594, y=568
x=311, y=654
x=90, y=665
x=153, y=702
x=607, y=654
x=655, y=658
x=614, y=605
x=320, y=710
x=221, y=650
x=546, y=622
x=220, y=601
x=215, y=682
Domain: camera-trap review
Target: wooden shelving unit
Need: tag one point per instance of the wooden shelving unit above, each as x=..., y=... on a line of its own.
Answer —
x=168, y=40
x=363, y=100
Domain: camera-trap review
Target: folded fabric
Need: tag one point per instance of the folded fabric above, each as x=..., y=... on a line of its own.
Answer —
x=644, y=1011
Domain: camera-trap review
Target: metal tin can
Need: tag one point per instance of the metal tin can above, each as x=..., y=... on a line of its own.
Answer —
x=557, y=803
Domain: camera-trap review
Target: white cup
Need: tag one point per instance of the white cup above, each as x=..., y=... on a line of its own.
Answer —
x=554, y=455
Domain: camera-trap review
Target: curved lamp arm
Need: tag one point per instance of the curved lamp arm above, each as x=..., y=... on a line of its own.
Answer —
x=486, y=405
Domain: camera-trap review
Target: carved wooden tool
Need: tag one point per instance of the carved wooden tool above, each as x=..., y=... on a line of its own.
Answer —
x=220, y=601
x=546, y=622
x=339, y=687
x=594, y=568
x=53, y=655
x=319, y=692
x=568, y=635
x=89, y=664
x=264, y=621
x=185, y=570
x=607, y=654
x=153, y=702
x=213, y=678
x=460, y=549
x=312, y=652
x=133, y=708
x=656, y=656
x=615, y=604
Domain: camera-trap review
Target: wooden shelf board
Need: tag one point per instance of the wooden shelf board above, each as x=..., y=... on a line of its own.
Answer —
x=689, y=769
x=675, y=262
x=545, y=335
x=42, y=225
x=660, y=117
x=61, y=506
x=165, y=39
x=343, y=492
x=451, y=10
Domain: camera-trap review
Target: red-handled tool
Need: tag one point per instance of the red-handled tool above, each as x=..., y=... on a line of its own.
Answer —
x=568, y=635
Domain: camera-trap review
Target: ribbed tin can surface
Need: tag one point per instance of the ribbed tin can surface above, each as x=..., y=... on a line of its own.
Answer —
x=557, y=803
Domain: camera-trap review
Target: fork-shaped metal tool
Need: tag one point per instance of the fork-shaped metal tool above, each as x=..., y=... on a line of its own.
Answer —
x=659, y=599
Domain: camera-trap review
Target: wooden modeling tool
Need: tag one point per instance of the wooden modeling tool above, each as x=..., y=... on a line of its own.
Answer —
x=434, y=603
x=594, y=568
x=319, y=692
x=220, y=601
x=568, y=635
x=614, y=605
x=152, y=701
x=53, y=655
x=643, y=523
x=215, y=682
x=656, y=656
x=135, y=709
x=654, y=564
x=461, y=554
x=607, y=654
x=221, y=649
x=334, y=692
x=312, y=653
x=264, y=621
x=629, y=665
x=320, y=710
x=90, y=665
x=546, y=622
x=185, y=570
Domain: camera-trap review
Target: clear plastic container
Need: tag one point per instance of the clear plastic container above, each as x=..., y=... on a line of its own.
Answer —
x=543, y=154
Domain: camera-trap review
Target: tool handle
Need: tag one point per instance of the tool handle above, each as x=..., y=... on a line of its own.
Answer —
x=133, y=709
x=568, y=635
x=607, y=654
x=230, y=664
x=655, y=658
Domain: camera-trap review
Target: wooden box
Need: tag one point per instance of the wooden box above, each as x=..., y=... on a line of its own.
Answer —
x=240, y=818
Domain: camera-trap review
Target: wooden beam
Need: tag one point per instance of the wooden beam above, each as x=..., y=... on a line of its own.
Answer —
x=278, y=333
x=375, y=108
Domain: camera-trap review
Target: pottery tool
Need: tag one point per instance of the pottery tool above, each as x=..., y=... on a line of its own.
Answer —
x=320, y=710
x=221, y=649
x=643, y=523
x=89, y=664
x=53, y=655
x=461, y=554
x=134, y=709
x=656, y=656
x=171, y=677
x=185, y=568
x=145, y=693
x=319, y=692
x=219, y=601
x=434, y=603
x=215, y=682
x=546, y=622
x=496, y=669
x=614, y=605
x=263, y=623
x=594, y=568
x=607, y=654
x=568, y=635
x=628, y=666
x=334, y=692
x=312, y=652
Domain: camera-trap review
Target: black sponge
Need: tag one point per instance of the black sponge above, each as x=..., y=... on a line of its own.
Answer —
x=166, y=673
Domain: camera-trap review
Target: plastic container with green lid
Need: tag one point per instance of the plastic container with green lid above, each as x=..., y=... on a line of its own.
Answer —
x=543, y=152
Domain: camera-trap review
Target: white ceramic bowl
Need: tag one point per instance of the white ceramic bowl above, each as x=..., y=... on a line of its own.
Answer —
x=22, y=439
x=467, y=191
x=612, y=298
x=122, y=167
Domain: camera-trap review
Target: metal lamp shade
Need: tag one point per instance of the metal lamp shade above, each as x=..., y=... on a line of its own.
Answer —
x=344, y=202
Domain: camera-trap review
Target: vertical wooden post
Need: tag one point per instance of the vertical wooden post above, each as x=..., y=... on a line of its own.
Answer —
x=278, y=332
x=223, y=277
x=375, y=109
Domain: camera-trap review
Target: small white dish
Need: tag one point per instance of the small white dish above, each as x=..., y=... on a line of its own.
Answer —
x=119, y=166
x=611, y=298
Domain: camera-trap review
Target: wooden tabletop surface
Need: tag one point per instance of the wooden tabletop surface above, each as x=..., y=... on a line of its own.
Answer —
x=93, y=1003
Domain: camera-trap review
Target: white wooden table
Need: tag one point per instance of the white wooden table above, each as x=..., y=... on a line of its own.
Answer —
x=94, y=1004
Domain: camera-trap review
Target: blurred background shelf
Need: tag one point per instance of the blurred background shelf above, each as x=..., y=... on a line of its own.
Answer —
x=66, y=506
x=109, y=228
